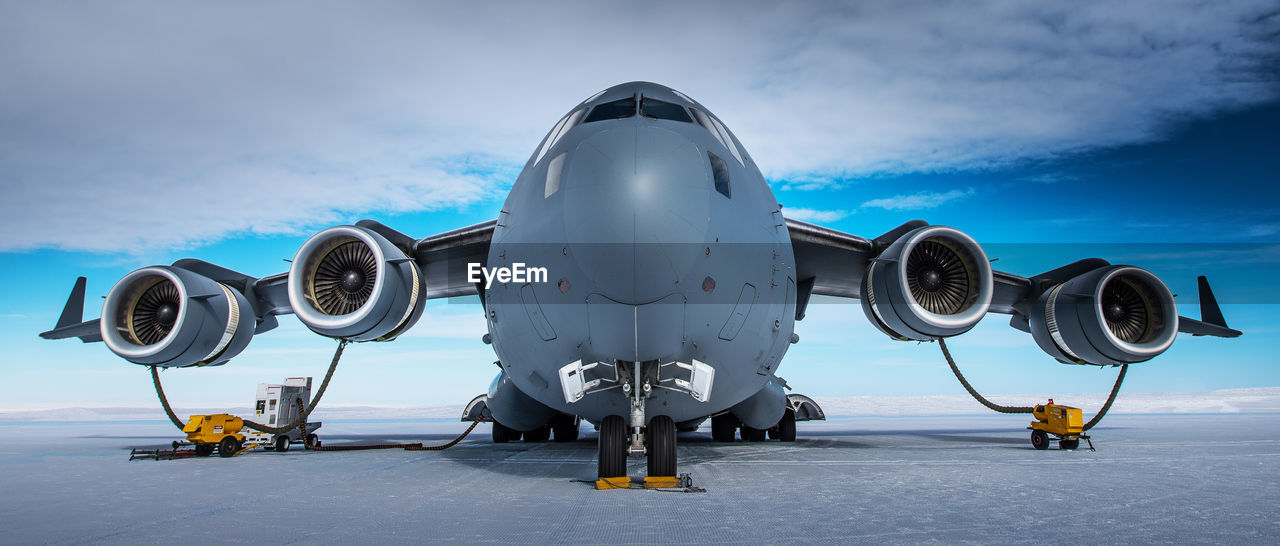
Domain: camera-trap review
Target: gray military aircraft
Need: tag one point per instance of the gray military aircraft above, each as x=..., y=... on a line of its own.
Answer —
x=640, y=276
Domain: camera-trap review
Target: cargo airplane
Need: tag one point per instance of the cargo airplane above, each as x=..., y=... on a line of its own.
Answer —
x=640, y=276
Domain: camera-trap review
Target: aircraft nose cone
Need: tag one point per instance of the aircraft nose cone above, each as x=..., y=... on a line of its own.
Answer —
x=637, y=211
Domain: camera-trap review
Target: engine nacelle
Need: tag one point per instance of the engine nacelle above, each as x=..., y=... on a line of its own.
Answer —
x=350, y=283
x=1112, y=315
x=171, y=317
x=933, y=282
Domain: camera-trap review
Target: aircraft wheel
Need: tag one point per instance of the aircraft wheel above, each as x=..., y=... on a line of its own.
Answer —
x=565, y=428
x=752, y=434
x=1039, y=439
x=661, y=437
x=204, y=450
x=1069, y=444
x=311, y=441
x=787, y=426
x=723, y=427
x=228, y=446
x=502, y=434
x=540, y=434
x=613, y=447
x=282, y=443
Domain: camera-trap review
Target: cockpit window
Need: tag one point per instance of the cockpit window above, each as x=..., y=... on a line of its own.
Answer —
x=558, y=131
x=654, y=108
x=717, y=130
x=720, y=175
x=618, y=109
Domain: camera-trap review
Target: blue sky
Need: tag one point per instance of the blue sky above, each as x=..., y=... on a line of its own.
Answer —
x=137, y=134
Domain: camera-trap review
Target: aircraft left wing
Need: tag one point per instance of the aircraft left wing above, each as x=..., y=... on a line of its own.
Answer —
x=364, y=282
x=1087, y=312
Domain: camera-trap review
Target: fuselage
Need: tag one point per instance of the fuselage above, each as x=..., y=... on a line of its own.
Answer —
x=661, y=243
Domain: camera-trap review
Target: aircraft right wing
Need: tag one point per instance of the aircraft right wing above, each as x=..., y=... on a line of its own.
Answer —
x=926, y=282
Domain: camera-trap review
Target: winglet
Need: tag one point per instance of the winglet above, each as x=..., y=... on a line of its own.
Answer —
x=73, y=311
x=69, y=324
x=1209, y=310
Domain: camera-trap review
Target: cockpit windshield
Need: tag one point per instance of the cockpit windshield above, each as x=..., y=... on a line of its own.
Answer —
x=656, y=109
x=618, y=109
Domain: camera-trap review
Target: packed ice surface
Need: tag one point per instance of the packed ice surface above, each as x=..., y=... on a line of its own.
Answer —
x=1154, y=478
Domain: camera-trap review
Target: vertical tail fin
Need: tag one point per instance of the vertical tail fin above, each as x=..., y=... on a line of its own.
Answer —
x=1209, y=310
x=73, y=312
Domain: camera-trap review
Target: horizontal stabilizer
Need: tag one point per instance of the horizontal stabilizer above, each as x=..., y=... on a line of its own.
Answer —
x=1199, y=328
x=88, y=332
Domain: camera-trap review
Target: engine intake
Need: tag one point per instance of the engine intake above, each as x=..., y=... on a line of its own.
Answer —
x=171, y=317
x=351, y=283
x=932, y=282
x=1109, y=316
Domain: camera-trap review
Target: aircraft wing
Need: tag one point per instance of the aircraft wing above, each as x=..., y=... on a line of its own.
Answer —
x=443, y=260
x=834, y=263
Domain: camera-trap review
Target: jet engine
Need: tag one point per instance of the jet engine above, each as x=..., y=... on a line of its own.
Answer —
x=932, y=282
x=349, y=282
x=1111, y=315
x=167, y=316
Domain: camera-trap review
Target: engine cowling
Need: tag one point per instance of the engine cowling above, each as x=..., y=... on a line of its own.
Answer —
x=1111, y=315
x=350, y=283
x=171, y=317
x=932, y=282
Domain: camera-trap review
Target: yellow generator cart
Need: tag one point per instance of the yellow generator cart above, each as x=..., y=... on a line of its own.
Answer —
x=1063, y=423
x=220, y=431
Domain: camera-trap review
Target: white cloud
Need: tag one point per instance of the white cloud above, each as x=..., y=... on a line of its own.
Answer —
x=142, y=126
x=815, y=215
x=918, y=201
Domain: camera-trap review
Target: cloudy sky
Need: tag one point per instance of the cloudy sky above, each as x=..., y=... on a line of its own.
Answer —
x=138, y=133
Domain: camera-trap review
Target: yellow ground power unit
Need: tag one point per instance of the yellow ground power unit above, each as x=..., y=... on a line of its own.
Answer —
x=1062, y=423
x=218, y=431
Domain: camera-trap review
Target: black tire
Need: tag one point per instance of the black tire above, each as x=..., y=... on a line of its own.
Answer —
x=1069, y=444
x=752, y=434
x=565, y=428
x=502, y=434
x=228, y=446
x=787, y=426
x=1039, y=439
x=613, y=448
x=204, y=450
x=724, y=428
x=311, y=441
x=540, y=434
x=661, y=437
x=282, y=443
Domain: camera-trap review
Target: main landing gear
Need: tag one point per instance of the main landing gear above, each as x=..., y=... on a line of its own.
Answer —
x=564, y=428
x=725, y=426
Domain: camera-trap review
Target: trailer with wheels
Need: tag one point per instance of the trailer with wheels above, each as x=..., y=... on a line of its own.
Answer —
x=277, y=405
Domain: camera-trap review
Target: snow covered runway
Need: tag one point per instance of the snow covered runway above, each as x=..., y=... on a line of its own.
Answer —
x=1206, y=477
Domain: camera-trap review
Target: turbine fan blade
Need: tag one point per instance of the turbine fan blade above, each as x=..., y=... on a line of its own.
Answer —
x=344, y=278
x=155, y=313
x=1125, y=310
x=938, y=278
